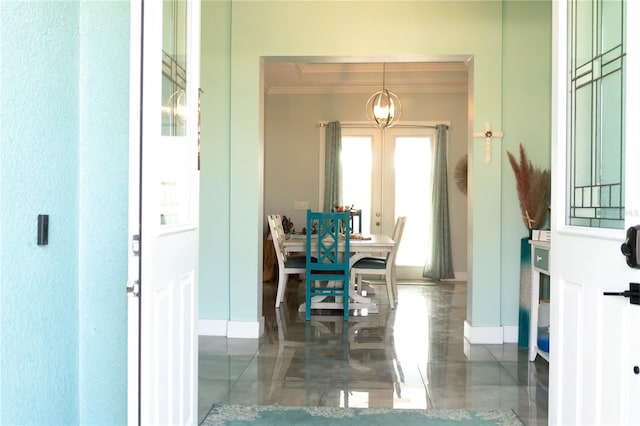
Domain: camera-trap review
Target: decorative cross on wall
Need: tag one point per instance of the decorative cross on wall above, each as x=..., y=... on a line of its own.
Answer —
x=488, y=134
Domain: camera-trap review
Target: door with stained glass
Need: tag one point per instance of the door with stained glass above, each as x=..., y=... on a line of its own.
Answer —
x=594, y=351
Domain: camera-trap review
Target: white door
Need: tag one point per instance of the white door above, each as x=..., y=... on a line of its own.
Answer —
x=164, y=175
x=594, y=352
x=399, y=162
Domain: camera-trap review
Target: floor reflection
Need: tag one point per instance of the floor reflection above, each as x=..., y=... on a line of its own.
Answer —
x=412, y=357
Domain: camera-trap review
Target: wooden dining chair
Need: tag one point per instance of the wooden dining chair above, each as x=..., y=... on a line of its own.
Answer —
x=286, y=264
x=330, y=264
x=381, y=265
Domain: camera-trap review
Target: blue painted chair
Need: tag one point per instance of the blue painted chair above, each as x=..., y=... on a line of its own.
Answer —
x=327, y=272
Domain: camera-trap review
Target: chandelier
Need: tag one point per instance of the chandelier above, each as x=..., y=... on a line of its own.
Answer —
x=384, y=107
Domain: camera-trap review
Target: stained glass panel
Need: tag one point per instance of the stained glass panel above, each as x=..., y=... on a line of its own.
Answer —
x=596, y=115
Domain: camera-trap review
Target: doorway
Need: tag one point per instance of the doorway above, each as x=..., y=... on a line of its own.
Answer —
x=296, y=105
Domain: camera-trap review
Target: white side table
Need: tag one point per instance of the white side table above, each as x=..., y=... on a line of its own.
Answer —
x=539, y=265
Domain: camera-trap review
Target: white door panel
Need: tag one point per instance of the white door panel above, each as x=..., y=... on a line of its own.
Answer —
x=165, y=206
x=593, y=337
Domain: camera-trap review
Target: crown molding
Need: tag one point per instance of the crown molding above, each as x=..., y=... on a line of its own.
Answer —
x=321, y=90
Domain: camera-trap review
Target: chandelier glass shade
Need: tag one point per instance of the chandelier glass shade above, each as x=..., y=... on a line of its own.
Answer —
x=384, y=107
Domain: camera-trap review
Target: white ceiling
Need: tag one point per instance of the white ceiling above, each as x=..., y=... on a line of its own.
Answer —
x=415, y=77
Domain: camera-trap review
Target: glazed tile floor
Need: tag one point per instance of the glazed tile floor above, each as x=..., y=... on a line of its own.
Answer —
x=412, y=357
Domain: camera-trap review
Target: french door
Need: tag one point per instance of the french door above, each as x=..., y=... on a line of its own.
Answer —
x=387, y=174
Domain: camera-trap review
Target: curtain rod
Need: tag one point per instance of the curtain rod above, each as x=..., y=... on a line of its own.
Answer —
x=364, y=126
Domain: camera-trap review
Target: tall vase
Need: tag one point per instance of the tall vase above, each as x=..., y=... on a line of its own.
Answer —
x=525, y=292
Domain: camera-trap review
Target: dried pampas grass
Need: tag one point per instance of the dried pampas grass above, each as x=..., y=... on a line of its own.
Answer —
x=534, y=190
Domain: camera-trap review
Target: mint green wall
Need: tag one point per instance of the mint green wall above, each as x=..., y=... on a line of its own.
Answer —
x=103, y=195
x=420, y=30
x=64, y=108
x=39, y=174
x=215, y=212
x=527, y=120
x=480, y=29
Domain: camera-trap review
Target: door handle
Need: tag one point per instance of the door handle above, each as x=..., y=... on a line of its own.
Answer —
x=633, y=293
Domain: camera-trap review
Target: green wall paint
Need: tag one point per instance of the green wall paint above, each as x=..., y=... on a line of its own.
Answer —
x=344, y=31
x=527, y=120
x=103, y=195
x=39, y=284
x=215, y=212
x=64, y=152
x=64, y=109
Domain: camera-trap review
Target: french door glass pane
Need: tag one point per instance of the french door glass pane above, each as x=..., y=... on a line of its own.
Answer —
x=596, y=116
x=357, y=159
x=413, y=198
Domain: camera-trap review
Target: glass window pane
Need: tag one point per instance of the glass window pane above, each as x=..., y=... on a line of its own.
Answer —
x=583, y=32
x=582, y=142
x=611, y=128
x=611, y=24
x=413, y=198
x=174, y=67
x=357, y=159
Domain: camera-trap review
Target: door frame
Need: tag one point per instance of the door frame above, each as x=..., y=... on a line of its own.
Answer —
x=133, y=274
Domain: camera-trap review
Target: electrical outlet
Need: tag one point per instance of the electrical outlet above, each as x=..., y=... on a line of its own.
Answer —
x=300, y=205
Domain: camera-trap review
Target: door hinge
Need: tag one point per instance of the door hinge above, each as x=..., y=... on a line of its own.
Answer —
x=633, y=293
x=135, y=245
x=133, y=288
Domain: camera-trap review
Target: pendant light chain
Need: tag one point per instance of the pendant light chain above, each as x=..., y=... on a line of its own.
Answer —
x=383, y=108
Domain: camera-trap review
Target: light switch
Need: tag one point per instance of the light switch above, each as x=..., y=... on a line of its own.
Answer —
x=43, y=229
x=300, y=205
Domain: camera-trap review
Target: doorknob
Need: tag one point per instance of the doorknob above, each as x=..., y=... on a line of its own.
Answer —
x=633, y=293
x=631, y=247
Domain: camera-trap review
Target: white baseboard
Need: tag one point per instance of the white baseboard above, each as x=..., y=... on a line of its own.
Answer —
x=461, y=276
x=510, y=333
x=490, y=335
x=231, y=329
x=243, y=329
x=212, y=327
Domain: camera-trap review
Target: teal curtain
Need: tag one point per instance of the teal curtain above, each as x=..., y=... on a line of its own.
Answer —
x=332, y=166
x=440, y=266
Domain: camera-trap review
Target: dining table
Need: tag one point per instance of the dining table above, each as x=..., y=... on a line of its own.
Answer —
x=360, y=246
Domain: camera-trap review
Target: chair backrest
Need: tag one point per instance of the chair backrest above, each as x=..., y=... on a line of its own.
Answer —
x=277, y=234
x=398, y=229
x=324, y=245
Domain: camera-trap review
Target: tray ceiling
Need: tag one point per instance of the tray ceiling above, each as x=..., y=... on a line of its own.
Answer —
x=416, y=77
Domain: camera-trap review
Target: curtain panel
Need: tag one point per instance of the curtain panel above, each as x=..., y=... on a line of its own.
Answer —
x=332, y=166
x=440, y=266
